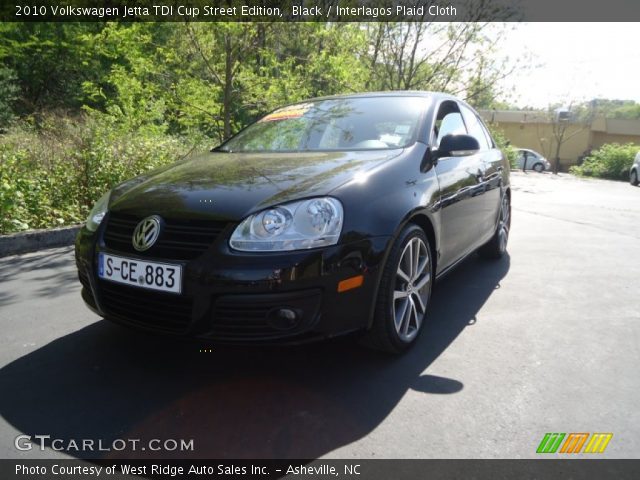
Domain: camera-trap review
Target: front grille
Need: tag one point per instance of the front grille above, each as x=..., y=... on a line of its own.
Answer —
x=179, y=239
x=246, y=316
x=154, y=310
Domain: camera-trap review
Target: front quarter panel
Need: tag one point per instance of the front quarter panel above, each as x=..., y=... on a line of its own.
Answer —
x=380, y=203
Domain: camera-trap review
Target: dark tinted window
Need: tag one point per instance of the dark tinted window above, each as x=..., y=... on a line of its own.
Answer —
x=487, y=134
x=339, y=124
x=529, y=155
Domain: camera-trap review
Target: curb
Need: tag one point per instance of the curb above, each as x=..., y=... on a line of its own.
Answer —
x=34, y=240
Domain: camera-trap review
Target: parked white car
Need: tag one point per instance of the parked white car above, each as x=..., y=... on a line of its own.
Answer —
x=535, y=161
x=634, y=173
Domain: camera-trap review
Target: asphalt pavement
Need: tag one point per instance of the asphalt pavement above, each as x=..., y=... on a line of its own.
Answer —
x=544, y=340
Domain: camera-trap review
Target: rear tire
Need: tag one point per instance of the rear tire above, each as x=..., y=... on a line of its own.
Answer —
x=497, y=246
x=633, y=178
x=404, y=293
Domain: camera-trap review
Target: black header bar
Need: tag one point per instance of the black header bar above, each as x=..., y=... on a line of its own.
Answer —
x=321, y=10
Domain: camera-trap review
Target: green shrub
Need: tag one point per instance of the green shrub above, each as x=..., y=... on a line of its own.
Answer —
x=52, y=174
x=611, y=161
x=503, y=144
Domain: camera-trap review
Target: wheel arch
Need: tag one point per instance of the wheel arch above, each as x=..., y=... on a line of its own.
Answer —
x=426, y=225
x=507, y=192
x=423, y=221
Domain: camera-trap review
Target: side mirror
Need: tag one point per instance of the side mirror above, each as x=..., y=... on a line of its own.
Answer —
x=457, y=146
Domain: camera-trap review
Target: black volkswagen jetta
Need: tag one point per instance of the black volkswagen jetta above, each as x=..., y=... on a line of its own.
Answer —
x=325, y=217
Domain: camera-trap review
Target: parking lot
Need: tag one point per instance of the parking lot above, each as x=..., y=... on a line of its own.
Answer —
x=545, y=340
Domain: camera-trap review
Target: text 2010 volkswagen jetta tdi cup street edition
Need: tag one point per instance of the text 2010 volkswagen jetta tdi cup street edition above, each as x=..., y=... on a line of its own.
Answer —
x=330, y=216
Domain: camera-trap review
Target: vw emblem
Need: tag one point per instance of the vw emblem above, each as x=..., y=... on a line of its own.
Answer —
x=146, y=233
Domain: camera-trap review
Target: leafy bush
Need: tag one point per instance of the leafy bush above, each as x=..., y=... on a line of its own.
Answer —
x=503, y=144
x=611, y=161
x=52, y=174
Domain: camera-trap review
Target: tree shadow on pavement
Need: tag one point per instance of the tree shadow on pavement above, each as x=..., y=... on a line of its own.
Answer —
x=6, y=298
x=106, y=382
x=48, y=273
x=50, y=259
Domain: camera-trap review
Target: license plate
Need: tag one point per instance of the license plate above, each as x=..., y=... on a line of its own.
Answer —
x=140, y=273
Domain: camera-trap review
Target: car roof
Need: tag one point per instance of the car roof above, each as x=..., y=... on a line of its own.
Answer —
x=393, y=93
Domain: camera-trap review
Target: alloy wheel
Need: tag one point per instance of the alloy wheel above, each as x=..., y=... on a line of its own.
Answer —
x=505, y=223
x=411, y=292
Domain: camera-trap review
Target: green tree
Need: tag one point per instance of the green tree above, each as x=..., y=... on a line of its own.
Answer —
x=50, y=61
x=458, y=58
x=8, y=95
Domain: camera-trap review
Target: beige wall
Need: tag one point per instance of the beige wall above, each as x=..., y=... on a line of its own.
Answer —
x=539, y=137
x=600, y=138
x=533, y=130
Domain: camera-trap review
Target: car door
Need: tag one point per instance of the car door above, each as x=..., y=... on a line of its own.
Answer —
x=461, y=187
x=492, y=161
x=532, y=160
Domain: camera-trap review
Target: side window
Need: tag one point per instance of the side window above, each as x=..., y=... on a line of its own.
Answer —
x=475, y=128
x=487, y=134
x=448, y=121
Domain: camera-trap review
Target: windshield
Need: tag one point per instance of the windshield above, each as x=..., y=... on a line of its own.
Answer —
x=369, y=123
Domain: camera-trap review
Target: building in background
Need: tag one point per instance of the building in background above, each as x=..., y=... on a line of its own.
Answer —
x=535, y=130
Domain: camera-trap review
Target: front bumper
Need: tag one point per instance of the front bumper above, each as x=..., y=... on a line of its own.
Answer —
x=235, y=297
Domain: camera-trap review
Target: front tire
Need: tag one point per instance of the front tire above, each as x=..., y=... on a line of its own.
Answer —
x=633, y=178
x=538, y=167
x=404, y=293
x=497, y=246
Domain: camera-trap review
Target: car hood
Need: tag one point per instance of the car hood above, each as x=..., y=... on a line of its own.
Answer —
x=229, y=186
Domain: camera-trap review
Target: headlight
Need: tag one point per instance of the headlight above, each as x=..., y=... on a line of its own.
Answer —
x=312, y=223
x=98, y=212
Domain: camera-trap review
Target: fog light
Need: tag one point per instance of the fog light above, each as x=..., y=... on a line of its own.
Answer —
x=283, y=318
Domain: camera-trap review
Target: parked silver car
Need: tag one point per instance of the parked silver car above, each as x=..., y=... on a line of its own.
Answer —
x=634, y=173
x=535, y=161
